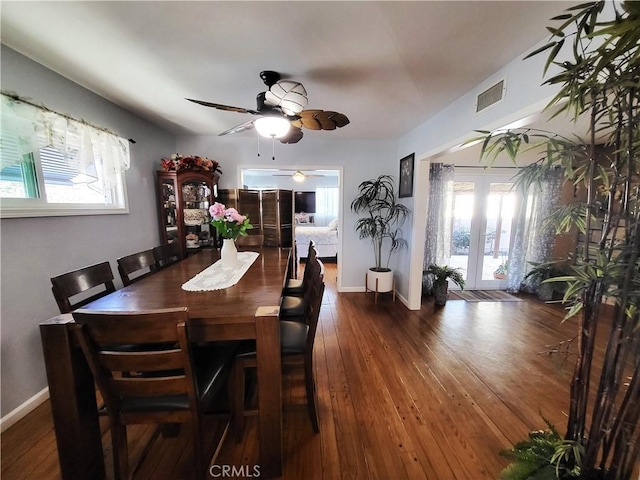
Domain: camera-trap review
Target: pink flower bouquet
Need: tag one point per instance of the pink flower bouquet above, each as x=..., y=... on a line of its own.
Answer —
x=228, y=222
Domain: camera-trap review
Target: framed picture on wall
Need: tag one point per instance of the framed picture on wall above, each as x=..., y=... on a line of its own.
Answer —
x=406, y=176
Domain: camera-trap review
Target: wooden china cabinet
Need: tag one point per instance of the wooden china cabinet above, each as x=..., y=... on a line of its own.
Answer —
x=184, y=198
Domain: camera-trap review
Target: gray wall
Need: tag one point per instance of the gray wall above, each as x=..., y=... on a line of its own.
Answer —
x=35, y=249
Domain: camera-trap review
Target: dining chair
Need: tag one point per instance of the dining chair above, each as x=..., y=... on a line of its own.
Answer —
x=135, y=263
x=295, y=286
x=296, y=347
x=250, y=241
x=293, y=306
x=167, y=254
x=169, y=386
x=87, y=280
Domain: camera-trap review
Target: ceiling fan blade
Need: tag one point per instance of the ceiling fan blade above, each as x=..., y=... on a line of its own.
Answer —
x=340, y=120
x=294, y=135
x=243, y=127
x=226, y=108
x=322, y=119
x=308, y=120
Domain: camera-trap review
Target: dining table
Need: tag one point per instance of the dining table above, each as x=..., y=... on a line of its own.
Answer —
x=245, y=310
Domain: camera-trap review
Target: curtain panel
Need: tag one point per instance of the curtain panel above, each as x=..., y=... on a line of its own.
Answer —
x=437, y=245
x=533, y=241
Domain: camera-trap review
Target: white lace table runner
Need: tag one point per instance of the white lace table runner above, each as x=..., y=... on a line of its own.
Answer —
x=217, y=277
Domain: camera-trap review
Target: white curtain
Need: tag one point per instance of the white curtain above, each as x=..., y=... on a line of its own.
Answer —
x=437, y=245
x=93, y=152
x=532, y=240
x=327, y=202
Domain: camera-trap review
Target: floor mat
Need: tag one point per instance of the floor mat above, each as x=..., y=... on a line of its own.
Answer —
x=483, y=296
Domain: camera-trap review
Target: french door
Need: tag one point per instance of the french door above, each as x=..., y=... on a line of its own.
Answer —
x=481, y=214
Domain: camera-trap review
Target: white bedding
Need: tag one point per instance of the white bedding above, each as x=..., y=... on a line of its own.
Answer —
x=326, y=240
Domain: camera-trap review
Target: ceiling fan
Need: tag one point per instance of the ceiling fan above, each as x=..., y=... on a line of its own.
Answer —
x=280, y=111
x=298, y=175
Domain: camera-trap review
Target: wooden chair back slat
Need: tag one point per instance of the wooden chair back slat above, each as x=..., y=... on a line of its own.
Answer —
x=134, y=263
x=142, y=361
x=70, y=284
x=150, y=387
x=157, y=326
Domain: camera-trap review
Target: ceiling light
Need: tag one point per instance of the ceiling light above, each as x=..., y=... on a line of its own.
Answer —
x=272, y=127
x=299, y=176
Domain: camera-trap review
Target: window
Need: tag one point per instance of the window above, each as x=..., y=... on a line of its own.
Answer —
x=327, y=204
x=51, y=164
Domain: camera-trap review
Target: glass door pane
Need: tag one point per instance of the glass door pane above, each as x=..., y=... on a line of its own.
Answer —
x=461, y=224
x=498, y=214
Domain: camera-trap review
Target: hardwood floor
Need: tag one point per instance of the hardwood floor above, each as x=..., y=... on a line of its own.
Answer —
x=431, y=394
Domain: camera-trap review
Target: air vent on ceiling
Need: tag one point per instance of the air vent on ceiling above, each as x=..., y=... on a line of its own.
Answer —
x=490, y=96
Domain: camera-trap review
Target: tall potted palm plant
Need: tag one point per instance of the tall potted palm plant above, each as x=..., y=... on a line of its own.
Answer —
x=381, y=223
x=600, y=78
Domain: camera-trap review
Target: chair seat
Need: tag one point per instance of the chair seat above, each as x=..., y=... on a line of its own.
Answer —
x=292, y=307
x=293, y=339
x=293, y=287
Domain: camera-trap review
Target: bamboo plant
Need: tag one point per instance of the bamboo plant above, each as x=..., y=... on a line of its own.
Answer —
x=600, y=78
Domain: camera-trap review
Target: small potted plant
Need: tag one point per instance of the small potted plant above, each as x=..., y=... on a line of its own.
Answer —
x=381, y=223
x=500, y=273
x=541, y=272
x=441, y=275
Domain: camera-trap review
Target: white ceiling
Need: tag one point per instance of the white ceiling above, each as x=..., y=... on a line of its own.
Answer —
x=387, y=65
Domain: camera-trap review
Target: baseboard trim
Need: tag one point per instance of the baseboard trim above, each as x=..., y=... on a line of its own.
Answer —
x=351, y=289
x=23, y=410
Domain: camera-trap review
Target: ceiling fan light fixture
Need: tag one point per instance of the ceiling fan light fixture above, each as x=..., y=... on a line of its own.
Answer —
x=298, y=176
x=272, y=126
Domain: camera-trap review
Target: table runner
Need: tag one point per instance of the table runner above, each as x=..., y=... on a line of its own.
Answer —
x=217, y=277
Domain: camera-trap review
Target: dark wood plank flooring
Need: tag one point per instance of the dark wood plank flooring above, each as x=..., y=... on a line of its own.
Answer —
x=431, y=394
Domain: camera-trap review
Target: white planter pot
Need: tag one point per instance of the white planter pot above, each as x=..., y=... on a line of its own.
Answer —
x=384, y=279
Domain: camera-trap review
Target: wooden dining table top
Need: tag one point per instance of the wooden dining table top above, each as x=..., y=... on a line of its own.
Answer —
x=261, y=285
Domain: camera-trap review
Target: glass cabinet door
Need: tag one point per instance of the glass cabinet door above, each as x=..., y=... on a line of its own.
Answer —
x=170, y=210
x=196, y=199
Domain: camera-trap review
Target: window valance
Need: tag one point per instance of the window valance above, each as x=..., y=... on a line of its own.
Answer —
x=93, y=151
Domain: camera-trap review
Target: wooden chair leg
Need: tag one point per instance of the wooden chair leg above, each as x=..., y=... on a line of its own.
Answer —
x=120, y=451
x=238, y=400
x=201, y=464
x=311, y=395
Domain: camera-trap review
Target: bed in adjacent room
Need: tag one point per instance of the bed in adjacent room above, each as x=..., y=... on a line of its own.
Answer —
x=325, y=238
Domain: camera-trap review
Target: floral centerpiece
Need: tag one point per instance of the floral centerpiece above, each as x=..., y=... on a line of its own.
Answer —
x=228, y=222
x=177, y=162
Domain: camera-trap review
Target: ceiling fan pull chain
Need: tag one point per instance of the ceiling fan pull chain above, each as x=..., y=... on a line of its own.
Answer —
x=258, y=138
x=273, y=148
